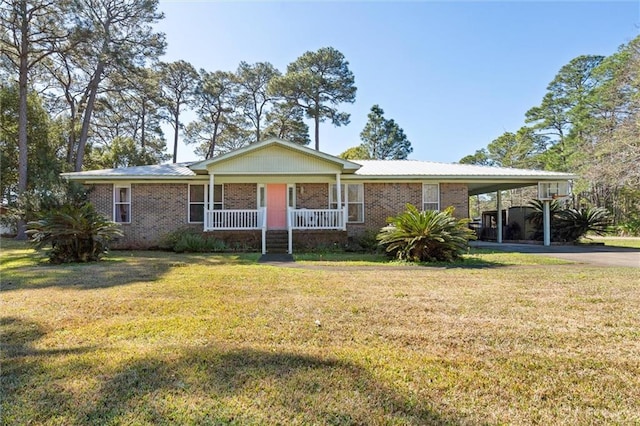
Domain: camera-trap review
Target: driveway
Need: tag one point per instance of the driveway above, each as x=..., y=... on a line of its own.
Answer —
x=591, y=254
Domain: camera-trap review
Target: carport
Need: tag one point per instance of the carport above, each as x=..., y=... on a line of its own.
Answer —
x=551, y=186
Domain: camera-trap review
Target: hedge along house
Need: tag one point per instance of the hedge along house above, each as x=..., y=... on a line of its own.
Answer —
x=278, y=196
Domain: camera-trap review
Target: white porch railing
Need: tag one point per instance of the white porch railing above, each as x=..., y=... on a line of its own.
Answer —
x=316, y=219
x=225, y=220
x=230, y=220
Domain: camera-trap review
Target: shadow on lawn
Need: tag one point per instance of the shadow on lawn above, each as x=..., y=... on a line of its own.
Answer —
x=208, y=385
x=24, y=367
x=215, y=386
x=117, y=269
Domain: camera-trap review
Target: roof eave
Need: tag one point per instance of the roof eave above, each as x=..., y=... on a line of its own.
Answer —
x=126, y=177
x=467, y=177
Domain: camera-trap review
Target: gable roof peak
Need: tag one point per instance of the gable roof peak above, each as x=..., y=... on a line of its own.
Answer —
x=274, y=141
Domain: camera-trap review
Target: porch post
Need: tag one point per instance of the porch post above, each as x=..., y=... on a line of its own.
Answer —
x=208, y=216
x=339, y=200
x=211, y=183
x=499, y=218
x=546, y=221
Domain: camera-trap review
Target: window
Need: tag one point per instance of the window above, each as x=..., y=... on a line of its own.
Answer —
x=291, y=196
x=262, y=196
x=122, y=203
x=198, y=199
x=352, y=197
x=430, y=196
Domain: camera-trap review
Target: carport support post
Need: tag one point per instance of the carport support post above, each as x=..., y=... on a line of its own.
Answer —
x=499, y=217
x=546, y=221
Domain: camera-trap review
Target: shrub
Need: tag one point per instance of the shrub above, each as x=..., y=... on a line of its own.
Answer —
x=197, y=243
x=426, y=236
x=536, y=216
x=170, y=239
x=366, y=242
x=76, y=233
x=630, y=227
x=569, y=225
x=574, y=224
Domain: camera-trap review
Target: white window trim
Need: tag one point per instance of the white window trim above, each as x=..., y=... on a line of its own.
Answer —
x=116, y=187
x=291, y=195
x=206, y=199
x=264, y=188
x=345, y=196
x=431, y=202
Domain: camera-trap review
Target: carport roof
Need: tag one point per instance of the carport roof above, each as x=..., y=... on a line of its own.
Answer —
x=480, y=179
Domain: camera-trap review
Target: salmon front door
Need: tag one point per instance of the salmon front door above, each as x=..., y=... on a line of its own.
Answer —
x=277, y=206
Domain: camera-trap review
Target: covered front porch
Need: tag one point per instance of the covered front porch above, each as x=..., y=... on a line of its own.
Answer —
x=274, y=186
x=300, y=219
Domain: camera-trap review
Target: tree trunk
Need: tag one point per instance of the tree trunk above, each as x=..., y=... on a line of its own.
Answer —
x=258, y=114
x=86, y=121
x=212, y=145
x=22, y=115
x=142, y=131
x=317, y=130
x=176, y=125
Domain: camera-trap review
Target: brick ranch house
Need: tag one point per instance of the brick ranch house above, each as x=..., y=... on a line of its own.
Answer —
x=275, y=193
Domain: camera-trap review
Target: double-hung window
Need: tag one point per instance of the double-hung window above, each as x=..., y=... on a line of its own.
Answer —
x=199, y=199
x=122, y=203
x=430, y=196
x=352, y=198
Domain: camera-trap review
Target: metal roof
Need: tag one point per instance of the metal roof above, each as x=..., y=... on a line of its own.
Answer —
x=157, y=171
x=479, y=179
x=408, y=168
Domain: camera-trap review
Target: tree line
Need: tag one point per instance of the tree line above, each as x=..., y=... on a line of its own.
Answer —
x=82, y=87
x=587, y=123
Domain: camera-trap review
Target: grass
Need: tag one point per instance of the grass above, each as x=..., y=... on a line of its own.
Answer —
x=159, y=338
x=630, y=242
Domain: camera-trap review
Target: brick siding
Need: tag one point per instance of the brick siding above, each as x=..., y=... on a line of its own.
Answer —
x=312, y=195
x=158, y=209
x=240, y=196
x=382, y=200
x=101, y=196
x=456, y=195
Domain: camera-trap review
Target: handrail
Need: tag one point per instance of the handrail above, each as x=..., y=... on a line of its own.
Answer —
x=233, y=219
x=316, y=219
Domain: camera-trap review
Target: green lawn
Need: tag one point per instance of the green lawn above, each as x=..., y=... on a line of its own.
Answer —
x=158, y=338
x=631, y=242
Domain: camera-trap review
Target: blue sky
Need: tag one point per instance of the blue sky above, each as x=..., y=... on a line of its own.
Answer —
x=454, y=75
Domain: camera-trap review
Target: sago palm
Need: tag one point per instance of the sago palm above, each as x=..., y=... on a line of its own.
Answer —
x=421, y=236
x=573, y=224
x=75, y=233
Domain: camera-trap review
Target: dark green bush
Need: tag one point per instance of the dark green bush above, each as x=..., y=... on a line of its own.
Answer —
x=368, y=241
x=574, y=224
x=75, y=233
x=197, y=243
x=426, y=236
x=569, y=225
x=170, y=239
